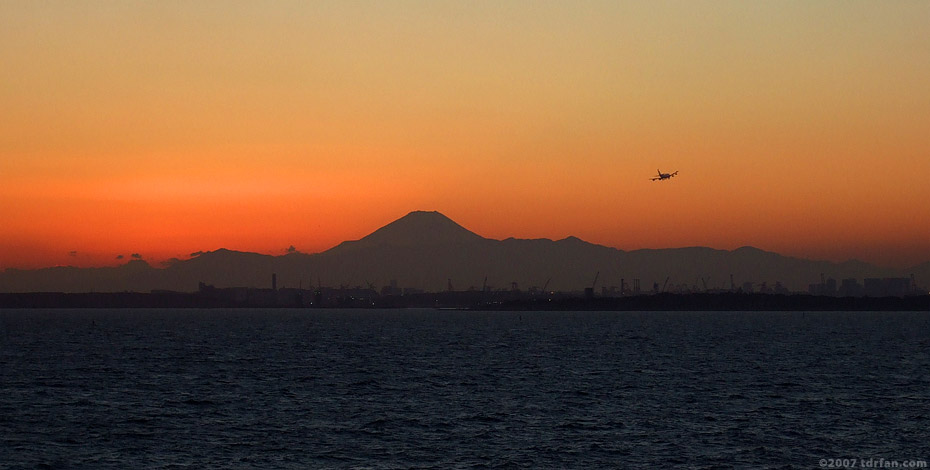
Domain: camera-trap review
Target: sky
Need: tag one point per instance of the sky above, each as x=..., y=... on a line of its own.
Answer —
x=171, y=127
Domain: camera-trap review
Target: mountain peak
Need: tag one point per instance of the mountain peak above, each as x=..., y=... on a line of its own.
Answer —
x=421, y=228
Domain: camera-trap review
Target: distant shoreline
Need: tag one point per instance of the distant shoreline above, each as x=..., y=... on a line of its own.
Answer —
x=481, y=301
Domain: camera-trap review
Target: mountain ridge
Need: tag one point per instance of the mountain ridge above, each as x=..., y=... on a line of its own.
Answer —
x=427, y=250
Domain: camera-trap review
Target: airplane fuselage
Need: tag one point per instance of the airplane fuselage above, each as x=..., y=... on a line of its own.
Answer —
x=663, y=176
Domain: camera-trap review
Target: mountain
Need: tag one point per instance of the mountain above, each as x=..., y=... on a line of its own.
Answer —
x=422, y=228
x=427, y=250
x=416, y=229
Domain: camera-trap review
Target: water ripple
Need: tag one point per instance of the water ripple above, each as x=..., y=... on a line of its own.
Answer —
x=426, y=389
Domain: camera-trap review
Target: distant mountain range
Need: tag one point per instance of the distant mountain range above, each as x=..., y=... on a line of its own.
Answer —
x=429, y=251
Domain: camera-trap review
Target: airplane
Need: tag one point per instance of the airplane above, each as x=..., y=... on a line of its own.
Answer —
x=663, y=176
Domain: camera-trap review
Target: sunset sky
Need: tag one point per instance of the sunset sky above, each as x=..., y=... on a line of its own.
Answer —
x=168, y=127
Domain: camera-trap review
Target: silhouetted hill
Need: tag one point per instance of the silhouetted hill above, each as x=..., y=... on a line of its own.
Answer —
x=426, y=250
x=223, y=268
x=136, y=275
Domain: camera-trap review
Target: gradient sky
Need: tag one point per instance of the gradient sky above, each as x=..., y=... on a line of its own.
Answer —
x=168, y=127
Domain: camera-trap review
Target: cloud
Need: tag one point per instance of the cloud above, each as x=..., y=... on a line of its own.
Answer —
x=136, y=256
x=120, y=256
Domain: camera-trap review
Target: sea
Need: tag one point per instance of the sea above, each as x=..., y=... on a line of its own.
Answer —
x=449, y=389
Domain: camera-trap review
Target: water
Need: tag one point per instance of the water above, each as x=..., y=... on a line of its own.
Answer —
x=451, y=389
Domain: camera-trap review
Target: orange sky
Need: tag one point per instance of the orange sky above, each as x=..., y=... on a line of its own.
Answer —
x=165, y=128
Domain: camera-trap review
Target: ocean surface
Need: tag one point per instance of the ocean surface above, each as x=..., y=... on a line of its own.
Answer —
x=385, y=389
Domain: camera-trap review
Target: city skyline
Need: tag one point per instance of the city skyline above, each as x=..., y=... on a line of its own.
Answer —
x=166, y=129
